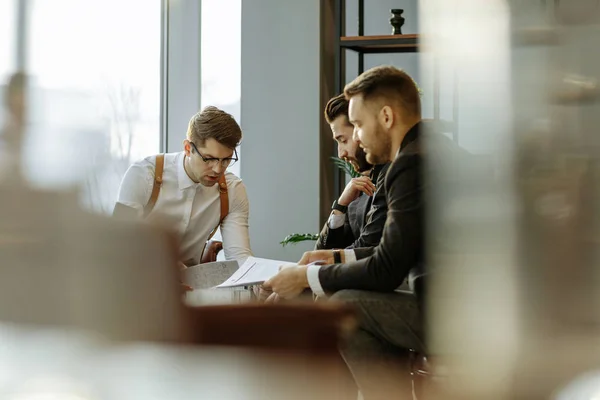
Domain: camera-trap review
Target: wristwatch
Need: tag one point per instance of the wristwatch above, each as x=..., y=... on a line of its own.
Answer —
x=339, y=207
x=337, y=256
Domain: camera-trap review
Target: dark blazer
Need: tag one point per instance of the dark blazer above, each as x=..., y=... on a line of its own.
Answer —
x=364, y=220
x=384, y=268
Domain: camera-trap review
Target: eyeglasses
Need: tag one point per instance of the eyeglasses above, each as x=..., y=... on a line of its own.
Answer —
x=213, y=162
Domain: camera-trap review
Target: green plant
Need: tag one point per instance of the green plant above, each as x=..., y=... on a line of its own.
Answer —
x=299, y=237
x=302, y=237
x=345, y=166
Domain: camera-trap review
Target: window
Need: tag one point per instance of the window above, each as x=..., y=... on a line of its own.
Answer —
x=7, y=47
x=95, y=104
x=7, y=33
x=220, y=55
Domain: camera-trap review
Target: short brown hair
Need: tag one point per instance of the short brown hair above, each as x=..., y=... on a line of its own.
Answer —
x=336, y=106
x=214, y=123
x=389, y=83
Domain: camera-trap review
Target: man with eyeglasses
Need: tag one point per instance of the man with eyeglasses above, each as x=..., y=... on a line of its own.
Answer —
x=192, y=189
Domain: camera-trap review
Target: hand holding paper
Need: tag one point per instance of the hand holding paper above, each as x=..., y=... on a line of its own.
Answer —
x=317, y=257
x=254, y=271
x=289, y=282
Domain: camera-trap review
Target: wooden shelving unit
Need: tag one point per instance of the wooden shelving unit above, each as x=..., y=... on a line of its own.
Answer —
x=335, y=46
x=361, y=44
x=381, y=44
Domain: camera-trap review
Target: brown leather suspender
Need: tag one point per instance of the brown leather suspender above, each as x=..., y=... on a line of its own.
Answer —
x=158, y=174
x=224, y=203
x=158, y=179
x=224, y=196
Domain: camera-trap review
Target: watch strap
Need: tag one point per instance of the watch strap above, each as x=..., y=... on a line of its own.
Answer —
x=339, y=207
x=337, y=257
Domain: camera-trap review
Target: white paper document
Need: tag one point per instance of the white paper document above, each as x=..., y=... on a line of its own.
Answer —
x=204, y=276
x=254, y=271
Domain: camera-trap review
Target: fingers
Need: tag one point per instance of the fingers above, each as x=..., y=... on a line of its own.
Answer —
x=267, y=285
x=365, y=185
x=186, y=288
x=305, y=258
x=273, y=298
x=315, y=255
x=263, y=294
x=365, y=189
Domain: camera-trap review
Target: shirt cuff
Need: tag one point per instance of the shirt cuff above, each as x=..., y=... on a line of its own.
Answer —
x=336, y=220
x=349, y=256
x=312, y=274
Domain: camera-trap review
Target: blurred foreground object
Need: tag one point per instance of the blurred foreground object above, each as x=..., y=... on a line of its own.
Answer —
x=63, y=267
x=45, y=363
x=306, y=328
x=513, y=308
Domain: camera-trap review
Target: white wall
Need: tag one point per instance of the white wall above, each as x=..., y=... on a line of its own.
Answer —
x=280, y=118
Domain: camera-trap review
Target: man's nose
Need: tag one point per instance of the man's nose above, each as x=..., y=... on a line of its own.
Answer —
x=219, y=168
x=355, y=137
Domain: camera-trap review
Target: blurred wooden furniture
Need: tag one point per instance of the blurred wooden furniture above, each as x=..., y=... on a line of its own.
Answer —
x=307, y=328
x=308, y=332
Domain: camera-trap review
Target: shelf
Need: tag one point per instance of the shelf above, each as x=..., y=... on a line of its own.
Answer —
x=539, y=36
x=381, y=44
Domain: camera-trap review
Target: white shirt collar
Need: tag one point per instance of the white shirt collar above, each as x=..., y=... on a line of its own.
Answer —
x=184, y=180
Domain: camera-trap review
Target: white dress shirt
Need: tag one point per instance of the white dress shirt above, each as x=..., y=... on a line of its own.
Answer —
x=193, y=207
x=336, y=220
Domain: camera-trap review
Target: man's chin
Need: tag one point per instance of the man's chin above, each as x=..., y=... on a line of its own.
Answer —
x=374, y=159
x=208, y=181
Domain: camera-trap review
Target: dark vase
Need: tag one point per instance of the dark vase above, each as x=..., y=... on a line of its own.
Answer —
x=397, y=21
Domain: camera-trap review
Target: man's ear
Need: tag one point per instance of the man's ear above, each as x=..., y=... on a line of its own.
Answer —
x=386, y=117
x=187, y=148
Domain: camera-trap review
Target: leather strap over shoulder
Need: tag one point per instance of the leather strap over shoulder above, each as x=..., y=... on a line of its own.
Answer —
x=158, y=179
x=224, y=196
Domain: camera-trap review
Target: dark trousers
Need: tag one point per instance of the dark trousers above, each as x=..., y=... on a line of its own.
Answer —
x=377, y=352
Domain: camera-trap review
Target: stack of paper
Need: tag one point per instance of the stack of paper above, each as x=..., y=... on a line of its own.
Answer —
x=254, y=271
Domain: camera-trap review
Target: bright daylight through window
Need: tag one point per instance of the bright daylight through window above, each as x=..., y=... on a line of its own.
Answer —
x=95, y=105
x=7, y=46
x=221, y=54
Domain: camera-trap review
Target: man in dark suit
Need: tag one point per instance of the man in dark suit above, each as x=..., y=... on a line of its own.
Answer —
x=385, y=110
x=358, y=216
